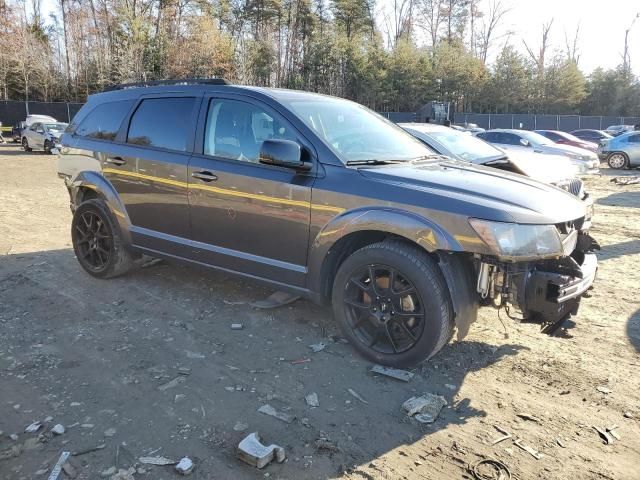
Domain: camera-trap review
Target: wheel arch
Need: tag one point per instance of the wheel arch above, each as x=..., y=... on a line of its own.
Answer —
x=90, y=185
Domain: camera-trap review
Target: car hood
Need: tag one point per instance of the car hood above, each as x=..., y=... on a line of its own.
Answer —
x=480, y=192
x=545, y=168
x=566, y=149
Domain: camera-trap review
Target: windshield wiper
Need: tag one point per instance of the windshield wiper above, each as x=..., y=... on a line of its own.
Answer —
x=373, y=162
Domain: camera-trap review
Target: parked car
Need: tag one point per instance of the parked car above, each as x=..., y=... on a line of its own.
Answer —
x=31, y=119
x=564, y=138
x=42, y=136
x=16, y=132
x=622, y=151
x=584, y=160
x=320, y=197
x=616, y=130
x=553, y=169
x=589, y=135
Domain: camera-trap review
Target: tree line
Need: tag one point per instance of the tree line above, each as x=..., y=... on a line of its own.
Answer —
x=389, y=56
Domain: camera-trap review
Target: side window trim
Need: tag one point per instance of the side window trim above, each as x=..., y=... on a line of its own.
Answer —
x=121, y=137
x=217, y=96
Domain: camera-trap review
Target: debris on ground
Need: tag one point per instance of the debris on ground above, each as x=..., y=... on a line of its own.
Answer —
x=627, y=415
x=312, y=399
x=298, y=362
x=356, y=395
x=318, y=347
x=110, y=432
x=532, y=451
x=528, y=417
x=608, y=435
x=185, y=466
x=123, y=474
x=172, y=383
x=253, y=452
x=58, y=429
x=323, y=444
x=156, y=461
x=626, y=180
x=490, y=469
x=396, y=373
x=57, y=468
x=612, y=432
x=34, y=427
x=151, y=263
x=505, y=435
x=272, y=412
x=424, y=408
x=240, y=427
x=237, y=326
x=604, y=390
x=275, y=300
x=88, y=450
x=69, y=470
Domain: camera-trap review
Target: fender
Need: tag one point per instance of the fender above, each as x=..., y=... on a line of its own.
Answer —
x=105, y=191
x=411, y=226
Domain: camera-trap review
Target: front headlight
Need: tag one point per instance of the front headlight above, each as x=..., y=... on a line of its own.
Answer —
x=516, y=241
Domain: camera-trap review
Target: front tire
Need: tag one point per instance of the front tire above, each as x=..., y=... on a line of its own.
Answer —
x=618, y=160
x=47, y=147
x=25, y=145
x=97, y=241
x=392, y=303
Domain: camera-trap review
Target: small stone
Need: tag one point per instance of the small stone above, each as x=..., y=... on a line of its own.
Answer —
x=16, y=406
x=628, y=415
x=109, y=432
x=240, y=427
x=450, y=387
x=184, y=371
x=318, y=347
x=34, y=427
x=604, y=390
x=312, y=400
x=75, y=404
x=42, y=471
x=87, y=425
x=48, y=419
x=236, y=326
x=58, y=429
x=108, y=472
x=185, y=466
x=14, y=437
x=179, y=397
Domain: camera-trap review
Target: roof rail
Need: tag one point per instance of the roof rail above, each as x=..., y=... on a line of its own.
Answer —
x=176, y=81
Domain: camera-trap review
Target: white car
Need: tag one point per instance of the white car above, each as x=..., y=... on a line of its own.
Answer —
x=524, y=140
x=35, y=118
x=553, y=169
x=42, y=136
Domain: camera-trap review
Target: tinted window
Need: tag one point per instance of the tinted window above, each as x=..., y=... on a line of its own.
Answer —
x=236, y=130
x=634, y=138
x=487, y=136
x=103, y=122
x=163, y=123
x=510, y=139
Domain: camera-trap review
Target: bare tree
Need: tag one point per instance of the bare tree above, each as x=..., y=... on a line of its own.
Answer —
x=490, y=23
x=573, y=53
x=626, y=57
x=539, y=58
x=431, y=12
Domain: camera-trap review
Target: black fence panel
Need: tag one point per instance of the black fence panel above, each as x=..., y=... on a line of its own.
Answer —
x=400, y=117
x=501, y=121
x=546, y=122
x=608, y=121
x=524, y=121
x=594, y=123
x=12, y=113
x=630, y=120
x=56, y=110
x=568, y=123
x=73, y=109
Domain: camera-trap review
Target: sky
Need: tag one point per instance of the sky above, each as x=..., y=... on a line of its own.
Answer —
x=602, y=27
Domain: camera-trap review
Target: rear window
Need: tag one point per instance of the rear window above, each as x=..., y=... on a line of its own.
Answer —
x=104, y=121
x=163, y=123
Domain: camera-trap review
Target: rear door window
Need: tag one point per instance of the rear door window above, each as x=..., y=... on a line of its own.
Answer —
x=634, y=138
x=104, y=121
x=163, y=123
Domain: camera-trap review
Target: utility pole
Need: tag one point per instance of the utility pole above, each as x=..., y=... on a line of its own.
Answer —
x=626, y=58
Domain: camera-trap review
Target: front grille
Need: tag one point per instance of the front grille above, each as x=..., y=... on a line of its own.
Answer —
x=573, y=186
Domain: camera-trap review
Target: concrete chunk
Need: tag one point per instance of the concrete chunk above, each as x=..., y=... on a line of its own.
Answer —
x=253, y=452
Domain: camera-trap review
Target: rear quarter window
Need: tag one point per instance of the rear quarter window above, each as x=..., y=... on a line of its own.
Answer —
x=163, y=123
x=104, y=121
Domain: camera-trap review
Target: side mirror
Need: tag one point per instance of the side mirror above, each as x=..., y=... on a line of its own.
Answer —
x=524, y=142
x=282, y=153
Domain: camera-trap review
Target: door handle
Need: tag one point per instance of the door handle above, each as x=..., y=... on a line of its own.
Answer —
x=204, y=176
x=116, y=161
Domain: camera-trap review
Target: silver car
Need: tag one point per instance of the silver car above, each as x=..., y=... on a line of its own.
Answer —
x=584, y=160
x=42, y=136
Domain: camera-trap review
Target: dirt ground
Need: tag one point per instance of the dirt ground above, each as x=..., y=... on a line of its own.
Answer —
x=99, y=356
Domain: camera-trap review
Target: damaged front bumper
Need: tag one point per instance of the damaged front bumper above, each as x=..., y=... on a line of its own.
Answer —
x=547, y=291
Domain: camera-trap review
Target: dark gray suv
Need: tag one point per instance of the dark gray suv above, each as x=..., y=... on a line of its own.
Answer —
x=321, y=197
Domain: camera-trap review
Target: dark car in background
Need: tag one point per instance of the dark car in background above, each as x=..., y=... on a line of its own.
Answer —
x=16, y=132
x=616, y=130
x=323, y=198
x=591, y=135
x=565, y=138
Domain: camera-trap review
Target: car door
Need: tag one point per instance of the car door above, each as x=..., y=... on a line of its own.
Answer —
x=34, y=135
x=148, y=167
x=633, y=149
x=246, y=216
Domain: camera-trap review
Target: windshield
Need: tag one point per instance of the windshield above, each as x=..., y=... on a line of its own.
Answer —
x=355, y=133
x=465, y=146
x=535, y=138
x=56, y=127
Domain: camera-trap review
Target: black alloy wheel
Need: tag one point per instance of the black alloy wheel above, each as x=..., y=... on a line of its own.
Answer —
x=384, y=309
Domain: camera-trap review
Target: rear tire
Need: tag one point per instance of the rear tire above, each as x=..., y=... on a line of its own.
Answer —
x=405, y=315
x=97, y=241
x=618, y=160
x=25, y=145
x=47, y=147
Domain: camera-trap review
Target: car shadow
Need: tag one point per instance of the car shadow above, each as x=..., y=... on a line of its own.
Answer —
x=169, y=315
x=633, y=329
x=616, y=250
x=13, y=149
x=622, y=199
